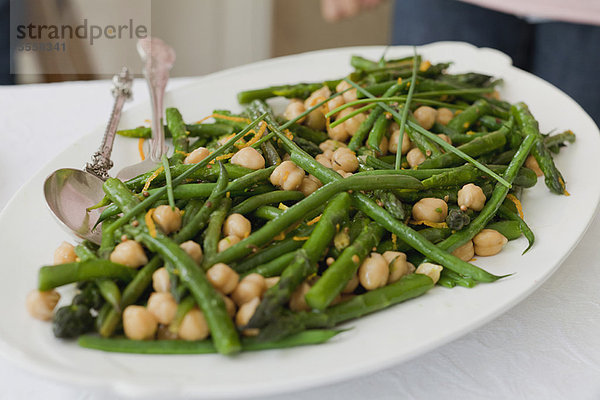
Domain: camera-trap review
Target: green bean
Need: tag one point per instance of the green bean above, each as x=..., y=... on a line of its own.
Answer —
x=177, y=129
x=506, y=212
x=448, y=194
x=363, y=130
x=370, y=208
x=299, y=210
x=461, y=122
x=203, y=173
x=271, y=156
x=50, y=277
x=275, y=197
x=467, y=174
x=110, y=292
x=555, y=141
x=509, y=229
x=212, y=235
x=299, y=90
x=168, y=181
x=529, y=126
x=476, y=147
x=391, y=203
x=199, y=221
x=223, y=332
x=121, y=345
x=492, y=205
x=378, y=132
x=406, y=288
x=267, y=212
x=274, y=267
x=450, y=279
x=195, y=130
x=335, y=278
x=305, y=261
x=490, y=122
x=83, y=251
x=308, y=146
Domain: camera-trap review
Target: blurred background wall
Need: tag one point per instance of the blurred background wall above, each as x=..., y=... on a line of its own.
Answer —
x=210, y=35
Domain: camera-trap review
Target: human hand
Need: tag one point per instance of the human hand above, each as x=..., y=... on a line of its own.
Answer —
x=335, y=10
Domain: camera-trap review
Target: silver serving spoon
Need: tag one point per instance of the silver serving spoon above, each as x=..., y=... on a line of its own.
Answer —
x=158, y=59
x=70, y=191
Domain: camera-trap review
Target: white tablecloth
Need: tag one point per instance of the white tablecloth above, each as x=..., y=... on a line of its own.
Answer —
x=546, y=347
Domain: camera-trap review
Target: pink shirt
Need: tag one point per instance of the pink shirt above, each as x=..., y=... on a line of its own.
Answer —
x=578, y=11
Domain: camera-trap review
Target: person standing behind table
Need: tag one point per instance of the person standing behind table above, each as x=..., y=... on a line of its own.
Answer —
x=556, y=40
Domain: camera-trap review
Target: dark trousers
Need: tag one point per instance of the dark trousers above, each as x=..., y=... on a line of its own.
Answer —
x=566, y=55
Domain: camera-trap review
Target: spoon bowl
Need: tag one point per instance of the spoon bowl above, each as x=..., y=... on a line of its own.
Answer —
x=69, y=192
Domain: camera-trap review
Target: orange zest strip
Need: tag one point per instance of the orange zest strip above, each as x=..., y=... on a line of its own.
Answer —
x=518, y=204
x=314, y=220
x=221, y=116
x=258, y=135
x=152, y=177
x=225, y=156
x=150, y=222
x=299, y=238
x=429, y=223
x=141, y=148
x=279, y=237
x=395, y=240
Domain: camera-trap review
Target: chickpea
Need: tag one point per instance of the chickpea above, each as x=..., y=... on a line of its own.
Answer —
x=287, y=176
x=348, y=96
x=444, y=115
x=193, y=326
x=163, y=306
x=351, y=285
x=194, y=250
x=351, y=124
x=237, y=225
x=308, y=186
x=167, y=219
x=431, y=270
x=294, y=108
x=374, y=271
x=393, y=144
x=430, y=209
x=297, y=300
x=248, y=157
x=139, y=323
x=445, y=138
x=323, y=160
x=331, y=145
x=197, y=155
x=317, y=96
x=397, y=265
x=488, y=242
x=425, y=116
x=244, y=315
x=315, y=120
x=65, y=253
x=227, y=242
x=272, y=281
x=229, y=305
x=40, y=305
x=338, y=133
x=223, y=278
x=471, y=196
x=250, y=286
x=344, y=159
x=328, y=154
x=415, y=157
x=465, y=252
x=161, y=282
x=532, y=164
x=129, y=253
x=335, y=103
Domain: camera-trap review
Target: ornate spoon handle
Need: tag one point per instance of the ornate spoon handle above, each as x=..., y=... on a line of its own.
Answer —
x=101, y=161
